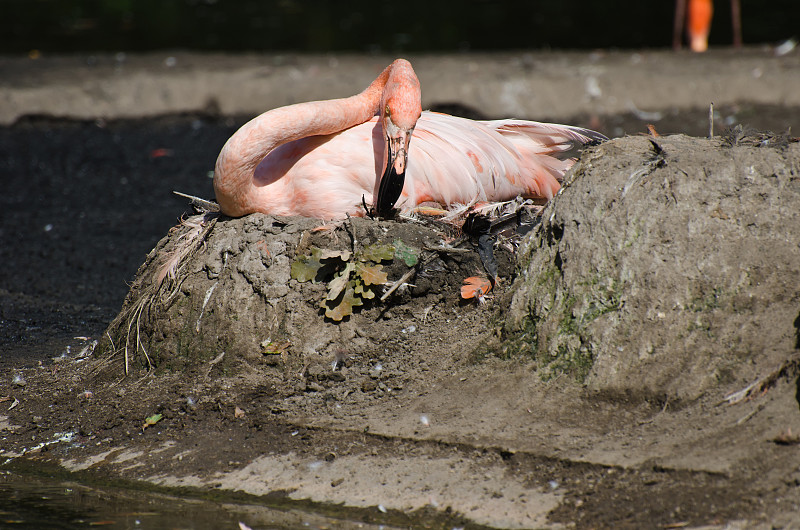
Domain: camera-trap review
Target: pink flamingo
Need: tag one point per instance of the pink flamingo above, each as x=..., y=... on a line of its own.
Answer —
x=328, y=159
x=698, y=23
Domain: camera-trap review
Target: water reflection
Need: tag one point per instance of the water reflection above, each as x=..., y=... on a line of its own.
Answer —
x=28, y=502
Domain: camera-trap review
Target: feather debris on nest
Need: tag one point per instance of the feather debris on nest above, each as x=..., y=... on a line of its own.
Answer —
x=199, y=227
x=490, y=224
x=742, y=135
x=200, y=205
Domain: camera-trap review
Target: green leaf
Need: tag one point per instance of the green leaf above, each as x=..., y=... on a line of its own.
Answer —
x=371, y=274
x=377, y=253
x=409, y=255
x=308, y=268
x=339, y=282
x=305, y=268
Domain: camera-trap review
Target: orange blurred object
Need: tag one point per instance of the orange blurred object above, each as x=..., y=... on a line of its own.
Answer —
x=696, y=20
x=699, y=23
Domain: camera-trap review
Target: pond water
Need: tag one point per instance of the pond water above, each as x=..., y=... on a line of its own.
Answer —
x=37, y=502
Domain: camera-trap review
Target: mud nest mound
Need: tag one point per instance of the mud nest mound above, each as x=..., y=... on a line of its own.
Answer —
x=282, y=296
x=664, y=267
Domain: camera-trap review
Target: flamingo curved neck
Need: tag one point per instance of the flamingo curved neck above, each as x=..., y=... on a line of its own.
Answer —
x=238, y=159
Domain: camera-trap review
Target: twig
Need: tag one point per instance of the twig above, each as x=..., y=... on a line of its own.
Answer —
x=214, y=362
x=789, y=367
x=448, y=249
x=113, y=348
x=750, y=414
x=398, y=283
x=711, y=120
x=139, y=342
x=198, y=203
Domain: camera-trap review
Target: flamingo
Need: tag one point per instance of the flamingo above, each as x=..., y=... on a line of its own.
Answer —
x=698, y=23
x=329, y=159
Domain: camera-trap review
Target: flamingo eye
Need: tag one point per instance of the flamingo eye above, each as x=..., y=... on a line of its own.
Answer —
x=388, y=112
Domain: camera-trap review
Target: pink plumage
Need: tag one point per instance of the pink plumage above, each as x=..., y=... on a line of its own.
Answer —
x=326, y=159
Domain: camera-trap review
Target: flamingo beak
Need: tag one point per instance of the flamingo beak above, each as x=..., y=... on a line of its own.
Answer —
x=394, y=176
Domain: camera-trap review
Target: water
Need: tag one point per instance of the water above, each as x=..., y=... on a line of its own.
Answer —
x=37, y=502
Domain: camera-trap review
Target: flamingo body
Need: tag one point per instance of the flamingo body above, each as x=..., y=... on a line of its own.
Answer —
x=327, y=159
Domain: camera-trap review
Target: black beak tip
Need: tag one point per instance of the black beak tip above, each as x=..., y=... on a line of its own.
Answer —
x=389, y=192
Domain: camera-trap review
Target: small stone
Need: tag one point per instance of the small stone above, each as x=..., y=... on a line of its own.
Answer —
x=336, y=376
x=314, y=387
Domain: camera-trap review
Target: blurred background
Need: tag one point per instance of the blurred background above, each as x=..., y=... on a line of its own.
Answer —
x=367, y=26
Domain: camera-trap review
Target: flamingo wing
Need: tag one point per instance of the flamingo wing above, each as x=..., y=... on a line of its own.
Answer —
x=456, y=160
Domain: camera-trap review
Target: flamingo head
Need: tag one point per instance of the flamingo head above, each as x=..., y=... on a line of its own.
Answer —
x=399, y=114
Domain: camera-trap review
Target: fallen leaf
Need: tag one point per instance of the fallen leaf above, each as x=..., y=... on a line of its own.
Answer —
x=475, y=287
x=324, y=253
x=364, y=292
x=308, y=268
x=238, y=413
x=275, y=348
x=305, y=268
x=377, y=253
x=345, y=307
x=409, y=255
x=339, y=282
x=152, y=420
x=372, y=274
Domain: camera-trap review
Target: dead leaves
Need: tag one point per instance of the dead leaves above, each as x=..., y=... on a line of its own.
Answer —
x=376, y=253
x=344, y=306
x=151, y=420
x=355, y=277
x=371, y=274
x=475, y=287
x=340, y=282
x=308, y=268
